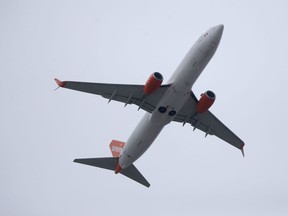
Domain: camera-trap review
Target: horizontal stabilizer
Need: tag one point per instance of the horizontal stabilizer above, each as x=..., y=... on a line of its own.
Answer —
x=133, y=173
x=110, y=164
x=105, y=163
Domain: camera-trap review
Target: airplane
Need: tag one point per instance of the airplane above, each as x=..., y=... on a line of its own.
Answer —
x=174, y=101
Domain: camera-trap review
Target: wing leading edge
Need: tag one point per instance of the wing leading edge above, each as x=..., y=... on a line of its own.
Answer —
x=128, y=94
x=208, y=123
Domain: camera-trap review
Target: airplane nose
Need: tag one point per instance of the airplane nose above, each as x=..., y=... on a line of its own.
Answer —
x=217, y=32
x=219, y=29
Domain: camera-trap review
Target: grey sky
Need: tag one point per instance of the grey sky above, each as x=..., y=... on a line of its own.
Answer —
x=42, y=131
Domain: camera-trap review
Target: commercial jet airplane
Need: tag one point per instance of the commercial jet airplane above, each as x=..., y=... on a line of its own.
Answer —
x=173, y=101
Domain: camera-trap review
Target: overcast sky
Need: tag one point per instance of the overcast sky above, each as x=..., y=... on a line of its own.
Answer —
x=42, y=131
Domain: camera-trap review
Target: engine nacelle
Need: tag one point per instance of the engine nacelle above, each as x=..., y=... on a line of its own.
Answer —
x=153, y=83
x=206, y=101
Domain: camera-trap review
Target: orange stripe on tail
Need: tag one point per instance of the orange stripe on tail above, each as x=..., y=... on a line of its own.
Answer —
x=116, y=147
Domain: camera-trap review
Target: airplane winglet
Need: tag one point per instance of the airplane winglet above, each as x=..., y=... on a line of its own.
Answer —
x=242, y=151
x=59, y=83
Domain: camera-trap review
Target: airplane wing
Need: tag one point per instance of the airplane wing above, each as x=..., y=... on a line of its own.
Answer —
x=128, y=94
x=207, y=123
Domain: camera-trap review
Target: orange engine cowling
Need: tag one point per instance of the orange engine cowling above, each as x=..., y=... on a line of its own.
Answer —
x=205, y=102
x=153, y=83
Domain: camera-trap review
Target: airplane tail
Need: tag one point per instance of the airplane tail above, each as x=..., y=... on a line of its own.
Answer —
x=111, y=163
x=116, y=147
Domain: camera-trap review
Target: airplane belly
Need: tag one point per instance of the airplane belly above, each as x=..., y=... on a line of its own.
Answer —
x=151, y=125
x=140, y=140
x=194, y=62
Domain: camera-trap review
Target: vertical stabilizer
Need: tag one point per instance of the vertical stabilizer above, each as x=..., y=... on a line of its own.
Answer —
x=116, y=147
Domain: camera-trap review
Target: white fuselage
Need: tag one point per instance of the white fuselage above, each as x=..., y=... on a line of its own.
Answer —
x=175, y=97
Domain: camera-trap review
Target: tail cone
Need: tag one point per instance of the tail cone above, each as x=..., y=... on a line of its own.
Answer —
x=118, y=168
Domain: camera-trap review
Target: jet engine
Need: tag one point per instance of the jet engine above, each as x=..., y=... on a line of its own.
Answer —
x=153, y=83
x=205, y=102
